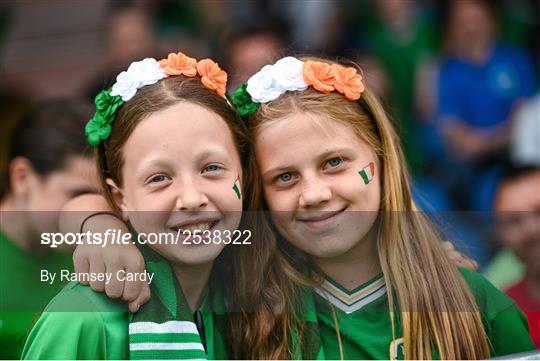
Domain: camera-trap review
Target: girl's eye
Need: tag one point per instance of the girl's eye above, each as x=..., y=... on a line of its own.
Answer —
x=285, y=177
x=334, y=162
x=158, y=178
x=211, y=168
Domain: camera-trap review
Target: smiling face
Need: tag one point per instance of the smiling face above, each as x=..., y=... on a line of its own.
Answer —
x=310, y=167
x=518, y=207
x=180, y=165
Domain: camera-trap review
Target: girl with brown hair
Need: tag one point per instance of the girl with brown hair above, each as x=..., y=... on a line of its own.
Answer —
x=173, y=160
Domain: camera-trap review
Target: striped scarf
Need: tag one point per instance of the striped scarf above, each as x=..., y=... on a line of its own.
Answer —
x=164, y=328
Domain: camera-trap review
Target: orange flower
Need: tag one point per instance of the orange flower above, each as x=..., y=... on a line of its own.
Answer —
x=179, y=64
x=319, y=75
x=347, y=81
x=212, y=76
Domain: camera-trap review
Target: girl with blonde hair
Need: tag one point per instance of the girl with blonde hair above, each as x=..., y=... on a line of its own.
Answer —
x=338, y=189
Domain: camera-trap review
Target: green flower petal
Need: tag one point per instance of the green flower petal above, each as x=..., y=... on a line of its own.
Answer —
x=242, y=100
x=93, y=139
x=91, y=126
x=99, y=127
x=107, y=104
x=104, y=132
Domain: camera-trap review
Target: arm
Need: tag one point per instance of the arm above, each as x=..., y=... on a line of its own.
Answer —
x=104, y=259
x=471, y=142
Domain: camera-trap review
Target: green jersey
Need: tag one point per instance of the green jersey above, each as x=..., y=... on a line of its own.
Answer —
x=22, y=294
x=82, y=324
x=365, y=327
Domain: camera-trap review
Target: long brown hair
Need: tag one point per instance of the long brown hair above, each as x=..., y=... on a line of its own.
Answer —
x=435, y=304
x=248, y=274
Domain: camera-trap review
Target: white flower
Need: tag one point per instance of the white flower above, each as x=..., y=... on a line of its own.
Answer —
x=262, y=87
x=146, y=72
x=125, y=86
x=288, y=73
x=139, y=74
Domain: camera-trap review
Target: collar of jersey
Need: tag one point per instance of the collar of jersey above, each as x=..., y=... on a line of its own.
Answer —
x=351, y=301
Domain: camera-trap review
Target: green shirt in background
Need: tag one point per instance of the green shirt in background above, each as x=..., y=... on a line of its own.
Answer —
x=365, y=325
x=22, y=294
x=504, y=269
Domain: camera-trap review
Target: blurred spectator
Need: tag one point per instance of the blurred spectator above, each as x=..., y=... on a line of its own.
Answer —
x=518, y=213
x=481, y=85
x=13, y=105
x=49, y=163
x=247, y=50
x=316, y=26
x=129, y=36
x=402, y=38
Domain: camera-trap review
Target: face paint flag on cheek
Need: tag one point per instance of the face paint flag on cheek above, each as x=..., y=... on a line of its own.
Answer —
x=368, y=172
x=237, y=189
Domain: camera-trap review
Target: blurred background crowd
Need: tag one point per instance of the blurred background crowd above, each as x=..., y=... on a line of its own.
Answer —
x=459, y=79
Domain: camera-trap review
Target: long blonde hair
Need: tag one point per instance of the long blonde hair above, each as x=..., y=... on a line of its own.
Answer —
x=435, y=304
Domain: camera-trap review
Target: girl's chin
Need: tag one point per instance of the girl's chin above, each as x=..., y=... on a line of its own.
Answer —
x=327, y=251
x=196, y=256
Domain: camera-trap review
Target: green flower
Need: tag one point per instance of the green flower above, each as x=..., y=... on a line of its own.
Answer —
x=106, y=104
x=96, y=132
x=101, y=119
x=242, y=100
x=99, y=127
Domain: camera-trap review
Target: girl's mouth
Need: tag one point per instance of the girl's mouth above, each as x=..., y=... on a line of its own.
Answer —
x=322, y=219
x=193, y=226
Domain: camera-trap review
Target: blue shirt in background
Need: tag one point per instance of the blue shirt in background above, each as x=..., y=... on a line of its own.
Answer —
x=483, y=95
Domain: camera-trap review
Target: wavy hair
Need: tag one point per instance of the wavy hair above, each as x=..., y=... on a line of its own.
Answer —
x=436, y=306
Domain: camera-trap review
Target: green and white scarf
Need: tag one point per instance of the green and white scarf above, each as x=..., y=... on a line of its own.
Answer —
x=164, y=328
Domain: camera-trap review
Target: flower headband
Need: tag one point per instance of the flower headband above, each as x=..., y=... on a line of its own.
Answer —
x=292, y=74
x=146, y=72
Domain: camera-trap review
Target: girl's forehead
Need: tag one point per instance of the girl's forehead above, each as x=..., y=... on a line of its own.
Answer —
x=180, y=130
x=306, y=136
x=302, y=126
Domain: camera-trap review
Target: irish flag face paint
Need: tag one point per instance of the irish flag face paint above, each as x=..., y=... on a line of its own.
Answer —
x=368, y=172
x=237, y=189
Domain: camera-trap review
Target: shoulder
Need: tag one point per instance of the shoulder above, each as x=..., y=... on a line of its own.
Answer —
x=451, y=74
x=488, y=297
x=505, y=50
x=87, y=324
x=89, y=300
x=505, y=325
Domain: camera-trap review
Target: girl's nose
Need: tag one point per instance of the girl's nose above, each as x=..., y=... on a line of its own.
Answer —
x=190, y=198
x=313, y=193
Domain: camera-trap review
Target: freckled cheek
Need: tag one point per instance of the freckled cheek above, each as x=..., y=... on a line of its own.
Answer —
x=281, y=201
x=363, y=196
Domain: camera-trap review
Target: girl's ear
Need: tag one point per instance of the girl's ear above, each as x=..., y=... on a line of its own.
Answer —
x=21, y=177
x=118, y=195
